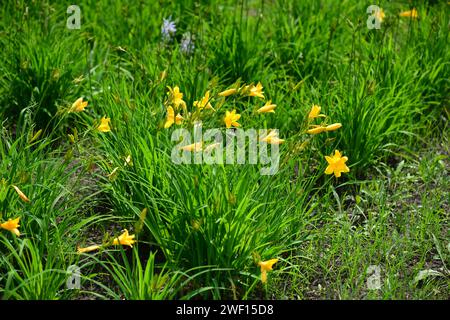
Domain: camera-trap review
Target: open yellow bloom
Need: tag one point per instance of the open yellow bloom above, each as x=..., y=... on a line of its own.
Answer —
x=125, y=239
x=88, y=249
x=204, y=102
x=410, y=13
x=336, y=164
x=21, y=194
x=176, y=97
x=272, y=138
x=256, y=91
x=179, y=119
x=104, y=125
x=196, y=147
x=170, y=117
x=316, y=130
x=268, y=107
x=315, y=112
x=78, y=105
x=333, y=127
x=266, y=266
x=227, y=92
x=12, y=225
x=231, y=119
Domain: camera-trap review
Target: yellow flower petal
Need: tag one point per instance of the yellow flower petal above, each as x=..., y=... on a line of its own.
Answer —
x=88, y=249
x=227, y=93
x=104, y=125
x=256, y=91
x=333, y=127
x=12, y=225
x=315, y=112
x=268, y=107
x=78, y=105
x=21, y=194
x=316, y=130
x=170, y=117
x=125, y=239
x=231, y=119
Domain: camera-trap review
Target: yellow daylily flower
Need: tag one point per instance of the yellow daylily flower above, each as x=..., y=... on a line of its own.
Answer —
x=272, y=138
x=125, y=239
x=333, y=126
x=196, y=147
x=315, y=112
x=256, y=91
x=336, y=164
x=227, y=92
x=176, y=97
x=379, y=15
x=178, y=119
x=316, y=130
x=231, y=119
x=104, y=125
x=410, y=13
x=21, y=194
x=268, y=107
x=12, y=225
x=78, y=105
x=204, y=102
x=266, y=266
x=170, y=117
x=88, y=249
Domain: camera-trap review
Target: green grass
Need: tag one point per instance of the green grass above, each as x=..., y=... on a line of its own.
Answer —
x=202, y=229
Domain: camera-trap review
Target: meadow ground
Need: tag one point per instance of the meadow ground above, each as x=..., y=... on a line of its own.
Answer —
x=96, y=101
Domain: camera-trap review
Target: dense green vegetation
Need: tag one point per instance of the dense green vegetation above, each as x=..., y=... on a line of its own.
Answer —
x=78, y=175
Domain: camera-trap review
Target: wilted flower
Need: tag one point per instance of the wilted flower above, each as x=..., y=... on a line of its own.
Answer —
x=88, y=249
x=21, y=194
x=168, y=29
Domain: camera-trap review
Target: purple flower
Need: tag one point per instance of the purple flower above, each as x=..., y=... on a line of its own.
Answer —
x=168, y=29
x=187, y=44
